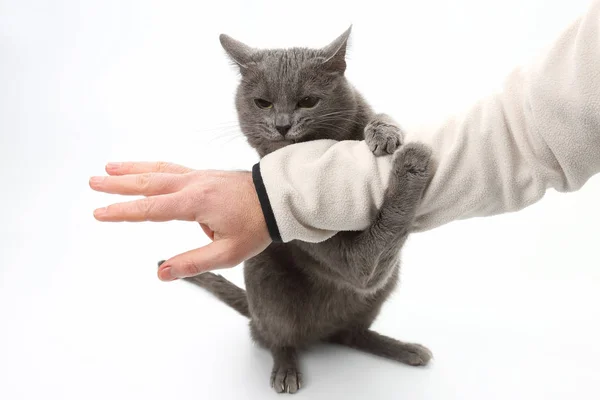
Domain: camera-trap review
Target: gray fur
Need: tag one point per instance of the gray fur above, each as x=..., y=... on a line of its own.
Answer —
x=301, y=293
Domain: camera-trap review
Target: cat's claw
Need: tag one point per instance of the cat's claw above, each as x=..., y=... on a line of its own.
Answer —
x=383, y=138
x=287, y=380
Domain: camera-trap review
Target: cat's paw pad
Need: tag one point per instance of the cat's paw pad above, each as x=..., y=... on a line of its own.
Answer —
x=416, y=354
x=414, y=158
x=286, y=380
x=383, y=138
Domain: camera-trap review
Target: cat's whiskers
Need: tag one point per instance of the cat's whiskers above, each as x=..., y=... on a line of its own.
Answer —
x=353, y=120
x=227, y=132
x=340, y=128
x=332, y=127
x=348, y=112
x=233, y=139
x=333, y=110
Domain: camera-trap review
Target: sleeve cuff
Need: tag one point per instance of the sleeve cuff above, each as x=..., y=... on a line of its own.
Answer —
x=265, y=204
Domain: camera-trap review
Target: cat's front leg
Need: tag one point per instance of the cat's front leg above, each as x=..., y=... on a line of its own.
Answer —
x=285, y=377
x=366, y=259
x=383, y=135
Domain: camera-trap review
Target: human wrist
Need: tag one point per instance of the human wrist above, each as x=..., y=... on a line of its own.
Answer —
x=265, y=204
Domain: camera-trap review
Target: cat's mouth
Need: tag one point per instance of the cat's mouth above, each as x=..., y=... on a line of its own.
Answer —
x=288, y=139
x=284, y=141
x=295, y=135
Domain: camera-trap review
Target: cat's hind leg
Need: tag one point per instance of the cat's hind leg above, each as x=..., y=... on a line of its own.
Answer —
x=285, y=377
x=383, y=346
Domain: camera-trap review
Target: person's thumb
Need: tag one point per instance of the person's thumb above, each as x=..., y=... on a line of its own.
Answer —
x=216, y=255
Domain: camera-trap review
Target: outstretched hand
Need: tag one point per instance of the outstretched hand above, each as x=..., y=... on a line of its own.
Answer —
x=225, y=204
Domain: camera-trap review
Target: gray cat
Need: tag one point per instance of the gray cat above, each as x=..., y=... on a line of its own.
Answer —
x=300, y=293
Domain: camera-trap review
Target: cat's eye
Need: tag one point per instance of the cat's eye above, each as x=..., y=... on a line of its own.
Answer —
x=308, y=102
x=261, y=103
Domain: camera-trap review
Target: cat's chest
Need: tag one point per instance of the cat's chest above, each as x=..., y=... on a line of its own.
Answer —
x=295, y=272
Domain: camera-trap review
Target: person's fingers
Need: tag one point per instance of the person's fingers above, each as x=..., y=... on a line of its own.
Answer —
x=216, y=255
x=125, y=168
x=160, y=208
x=147, y=184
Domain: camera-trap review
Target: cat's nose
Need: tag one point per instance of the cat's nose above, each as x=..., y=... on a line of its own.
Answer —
x=283, y=129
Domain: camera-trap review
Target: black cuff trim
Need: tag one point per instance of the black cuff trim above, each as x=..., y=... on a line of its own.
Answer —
x=265, y=204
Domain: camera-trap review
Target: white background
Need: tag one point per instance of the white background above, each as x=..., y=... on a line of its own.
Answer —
x=510, y=305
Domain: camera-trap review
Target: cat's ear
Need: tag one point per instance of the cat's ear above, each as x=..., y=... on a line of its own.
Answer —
x=335, y=53
x=239, y=53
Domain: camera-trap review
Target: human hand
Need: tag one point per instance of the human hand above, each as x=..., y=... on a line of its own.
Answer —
x=225, y=204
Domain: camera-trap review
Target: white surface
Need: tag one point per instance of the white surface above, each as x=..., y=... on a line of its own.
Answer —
x=509, y=305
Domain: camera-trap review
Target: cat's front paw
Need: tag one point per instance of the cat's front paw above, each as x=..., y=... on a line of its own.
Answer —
x=286, y=380
x=383, y=138
x=414, y=159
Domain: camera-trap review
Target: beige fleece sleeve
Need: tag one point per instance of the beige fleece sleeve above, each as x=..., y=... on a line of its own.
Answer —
x=542, y=131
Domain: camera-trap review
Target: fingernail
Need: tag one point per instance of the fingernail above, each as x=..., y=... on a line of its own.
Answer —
x=100, y=212
x=96, y=180
x=113, y=165
x=164, y=274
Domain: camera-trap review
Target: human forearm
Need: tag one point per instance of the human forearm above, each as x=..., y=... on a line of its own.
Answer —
x=541, y=131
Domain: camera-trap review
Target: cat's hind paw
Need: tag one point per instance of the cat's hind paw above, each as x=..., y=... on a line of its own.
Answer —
x=415, y=354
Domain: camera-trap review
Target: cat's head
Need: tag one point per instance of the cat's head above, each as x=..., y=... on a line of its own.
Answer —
x=292, y=95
